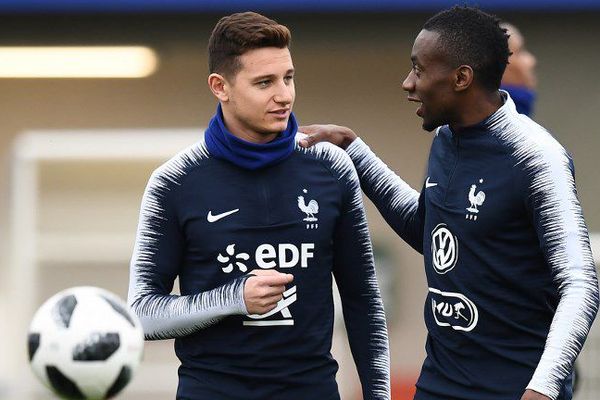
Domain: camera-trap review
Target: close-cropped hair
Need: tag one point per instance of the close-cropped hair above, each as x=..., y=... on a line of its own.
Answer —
x=238, y=33
x=469, y=36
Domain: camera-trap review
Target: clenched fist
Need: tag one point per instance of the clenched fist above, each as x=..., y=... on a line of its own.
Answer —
x=264, y=290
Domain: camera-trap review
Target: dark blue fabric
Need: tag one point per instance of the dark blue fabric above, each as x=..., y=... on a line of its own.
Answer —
x=288, y=357
x=500, y=244
x=224, y=145
x=523, y=97
x=566, y=393
x=488, y=259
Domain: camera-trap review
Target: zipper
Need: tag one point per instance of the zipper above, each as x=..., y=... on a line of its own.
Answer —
x=265, y=195
x=453, y=169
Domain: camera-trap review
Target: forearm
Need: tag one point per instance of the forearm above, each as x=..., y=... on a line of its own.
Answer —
x=367, y=335
x=364, y=315
x=170, y=316
x=395, y=199
x=572, y=321
x=551, y=198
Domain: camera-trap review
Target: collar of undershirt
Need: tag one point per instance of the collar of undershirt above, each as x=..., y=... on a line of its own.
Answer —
x=489, y=123
x=224, y=145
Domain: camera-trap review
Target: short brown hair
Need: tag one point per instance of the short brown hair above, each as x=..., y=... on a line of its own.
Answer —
x=238, y=33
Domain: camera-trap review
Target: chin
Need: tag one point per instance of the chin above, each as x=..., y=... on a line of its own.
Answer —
x=429, y=126
x=278, y=127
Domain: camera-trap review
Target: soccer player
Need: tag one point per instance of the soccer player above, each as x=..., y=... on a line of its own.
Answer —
x=254, y=226
x=519, y=78
x=512, y=284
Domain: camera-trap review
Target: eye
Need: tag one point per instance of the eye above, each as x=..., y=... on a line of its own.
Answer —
x=288, y=78
x=416, y=70
x=263, y=84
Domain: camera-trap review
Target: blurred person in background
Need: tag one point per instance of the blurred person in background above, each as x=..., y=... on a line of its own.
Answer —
x=513, y=289
x=239, y=216
x=519, y=78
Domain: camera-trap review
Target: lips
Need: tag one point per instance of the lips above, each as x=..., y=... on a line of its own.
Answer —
x=420, y=111
x=281, y=113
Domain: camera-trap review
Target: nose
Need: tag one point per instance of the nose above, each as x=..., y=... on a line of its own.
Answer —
x=409, y=82
x=533, y=60
x=285, y=93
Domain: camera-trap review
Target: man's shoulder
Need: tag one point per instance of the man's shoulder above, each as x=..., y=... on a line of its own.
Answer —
x=177, y=167
x=530, y=140
x=534, y=153
x=331, y=156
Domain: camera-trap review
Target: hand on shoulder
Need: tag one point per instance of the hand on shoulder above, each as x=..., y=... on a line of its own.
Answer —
x=339, y=135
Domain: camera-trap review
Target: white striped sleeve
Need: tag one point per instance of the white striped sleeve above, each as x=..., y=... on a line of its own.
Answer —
x=563, y=236
x=400, y=205
x=156, y=260
x=354, y=272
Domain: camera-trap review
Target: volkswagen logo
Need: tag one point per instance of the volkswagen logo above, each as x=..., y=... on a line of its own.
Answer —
x=444, y=249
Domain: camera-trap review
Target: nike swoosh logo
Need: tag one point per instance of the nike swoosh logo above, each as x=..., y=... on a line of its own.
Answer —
x=429, y=184
x=212, y=218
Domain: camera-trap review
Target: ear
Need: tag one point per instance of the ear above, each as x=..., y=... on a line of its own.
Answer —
x=463, y=78
x=219, y=86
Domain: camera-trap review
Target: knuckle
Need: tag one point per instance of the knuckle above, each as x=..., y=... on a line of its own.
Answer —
x=267, y=304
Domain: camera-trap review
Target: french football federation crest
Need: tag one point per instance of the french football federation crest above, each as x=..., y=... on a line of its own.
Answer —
x=476, y=200
x=310, y=210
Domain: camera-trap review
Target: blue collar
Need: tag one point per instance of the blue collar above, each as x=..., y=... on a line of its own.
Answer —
x=224, y=145
x=523, y=97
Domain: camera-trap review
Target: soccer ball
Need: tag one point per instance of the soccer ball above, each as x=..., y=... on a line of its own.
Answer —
x=85, y=343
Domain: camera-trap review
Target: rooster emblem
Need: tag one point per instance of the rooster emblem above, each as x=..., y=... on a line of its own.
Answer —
x=476, y=199
x=309, y=209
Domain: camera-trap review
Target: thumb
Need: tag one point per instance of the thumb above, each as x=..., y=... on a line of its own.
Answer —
x=307, y=141
x=278, y=280
x=310, y=136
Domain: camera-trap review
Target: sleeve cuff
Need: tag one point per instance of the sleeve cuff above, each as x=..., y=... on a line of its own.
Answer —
x=546, y=391
x=241, y=304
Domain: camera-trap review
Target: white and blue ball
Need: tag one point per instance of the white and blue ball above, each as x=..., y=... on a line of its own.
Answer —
x=85, y=343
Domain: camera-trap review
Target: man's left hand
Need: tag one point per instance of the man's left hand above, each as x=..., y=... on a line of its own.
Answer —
x=533, y=395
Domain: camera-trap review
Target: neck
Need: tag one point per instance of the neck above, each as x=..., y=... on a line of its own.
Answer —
x=252, y=155
x=238, y=130
x=476, y=108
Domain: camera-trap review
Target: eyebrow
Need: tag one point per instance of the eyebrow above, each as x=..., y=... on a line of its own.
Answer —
x=271, y=76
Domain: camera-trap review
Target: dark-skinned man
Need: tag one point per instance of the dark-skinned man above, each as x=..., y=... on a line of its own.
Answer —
x=512, y=289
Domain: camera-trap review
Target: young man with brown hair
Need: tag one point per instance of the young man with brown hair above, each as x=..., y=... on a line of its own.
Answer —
x=255, y=226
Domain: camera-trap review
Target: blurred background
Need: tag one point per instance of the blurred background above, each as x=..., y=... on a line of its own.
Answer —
x=79, y=139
